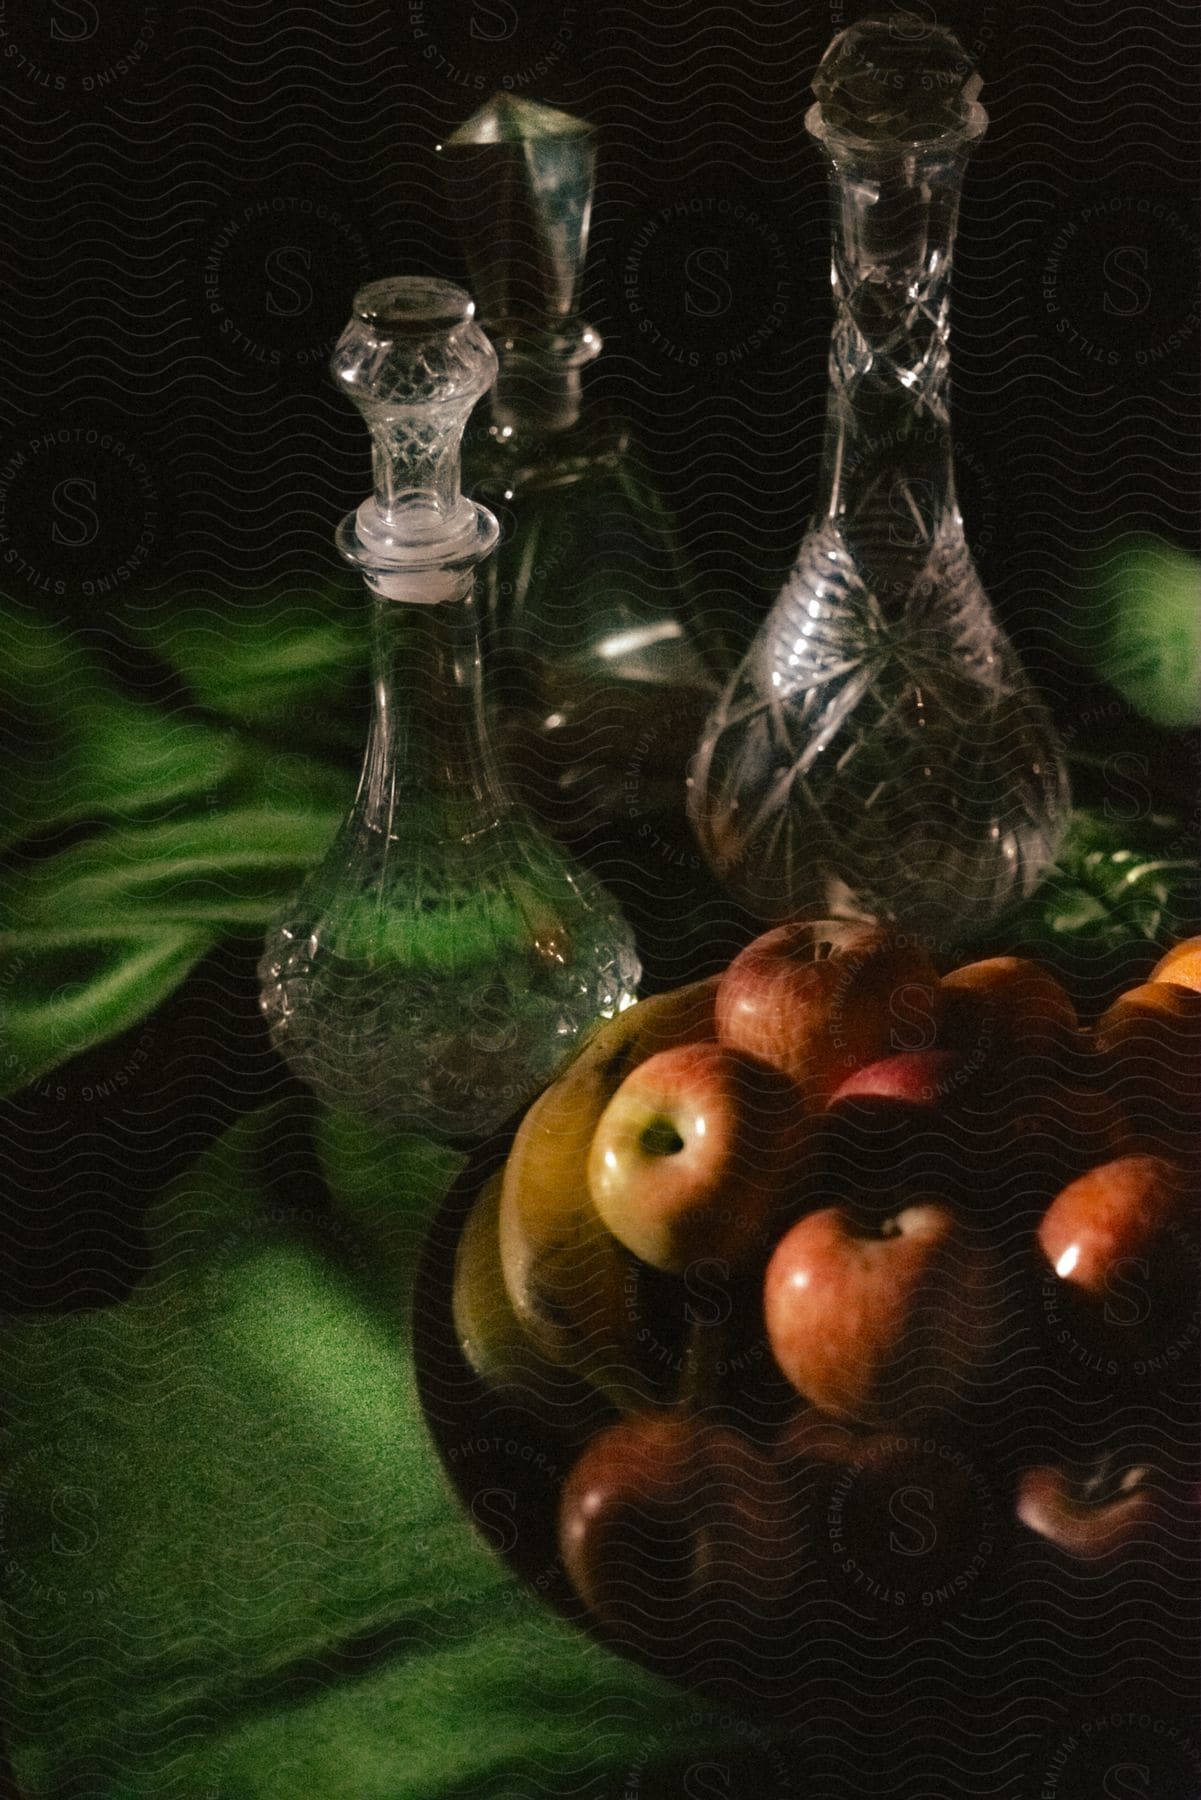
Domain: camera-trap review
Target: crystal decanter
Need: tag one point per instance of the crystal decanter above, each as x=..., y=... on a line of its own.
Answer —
x=602, y=688
x=444, y=958
x=880, y=752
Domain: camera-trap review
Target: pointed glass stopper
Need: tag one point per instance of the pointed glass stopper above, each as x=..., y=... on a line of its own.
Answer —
x=519, y=180
x=601, y=682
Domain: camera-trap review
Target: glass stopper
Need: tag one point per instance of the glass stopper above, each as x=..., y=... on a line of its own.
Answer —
x=880, y=752
x=446, y=956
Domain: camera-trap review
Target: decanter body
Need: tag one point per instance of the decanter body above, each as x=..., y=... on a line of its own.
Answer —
x=880, y=752
x=441, y=963
x=601, y=685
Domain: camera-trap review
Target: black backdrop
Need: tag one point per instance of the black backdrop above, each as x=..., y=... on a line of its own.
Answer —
x=191, y=193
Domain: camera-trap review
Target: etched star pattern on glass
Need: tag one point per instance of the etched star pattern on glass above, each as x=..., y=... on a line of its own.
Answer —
x=880, y=753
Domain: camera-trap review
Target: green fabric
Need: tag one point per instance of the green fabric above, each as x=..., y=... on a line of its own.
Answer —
x=232, y=1565
x=73, y=748
x=194, y=829
x=93, y=938
x=289, y=662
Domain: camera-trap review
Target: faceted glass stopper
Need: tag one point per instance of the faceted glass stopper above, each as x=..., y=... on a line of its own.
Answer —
x=414, y=361
x=519, y=179
x=896, y=81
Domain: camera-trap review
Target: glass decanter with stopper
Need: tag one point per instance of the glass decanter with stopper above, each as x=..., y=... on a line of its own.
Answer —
x=440, y=964
x=602, y=687
x=880, y=752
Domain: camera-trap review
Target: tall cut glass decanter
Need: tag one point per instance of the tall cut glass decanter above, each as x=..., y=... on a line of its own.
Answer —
x=445, y=957
x=602, y=687
x=880, y=752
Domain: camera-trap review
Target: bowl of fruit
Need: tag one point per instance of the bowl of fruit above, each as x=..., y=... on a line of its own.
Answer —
x=837, y=1300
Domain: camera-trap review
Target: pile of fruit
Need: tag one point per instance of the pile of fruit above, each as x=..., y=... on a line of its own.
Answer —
x=790, y=1250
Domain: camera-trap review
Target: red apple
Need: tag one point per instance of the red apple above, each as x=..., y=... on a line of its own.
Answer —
x=925, y=1078
x=1009, y=1015
x=691, y=1155
x=1044, y=1136
x=881, y=1325
x=1149, y=1047
x=669, y=1526
x=900, y=1122
x=909, y=1519
x=1180, y=965
x=818, y=1018
x=1122, y=1238
x=1107, y=1517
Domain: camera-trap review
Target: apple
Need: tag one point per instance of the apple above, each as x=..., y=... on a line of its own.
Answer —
x=673, y=1529
x=881, y=1324
x=1108, y=1515
x=1044, y=1136
x=1122, y=1238
x=901, y=1515
x=1149, y=1047
x=1009, y=1015
x=897, y=1122
x=1181, y=965
x=566, y=1276
x=818, y=1018
x=924, y=1078
x=691, y=1155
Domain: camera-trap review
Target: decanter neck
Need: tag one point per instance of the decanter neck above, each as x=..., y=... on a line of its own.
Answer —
x=887, y=472
x=538, y=388
x=429, y=738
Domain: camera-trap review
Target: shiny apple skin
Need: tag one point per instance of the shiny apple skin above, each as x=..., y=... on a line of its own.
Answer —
x=915, y=1077
x=819, y=1019
x=885, y=1326
x=902, y=1124
x=691, y=1156
x=1130, y=1210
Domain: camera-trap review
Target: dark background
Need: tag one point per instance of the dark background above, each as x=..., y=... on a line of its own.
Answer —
x=192, y=194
